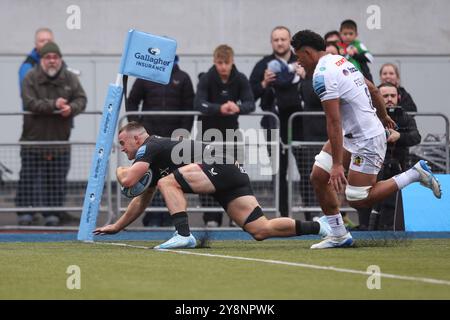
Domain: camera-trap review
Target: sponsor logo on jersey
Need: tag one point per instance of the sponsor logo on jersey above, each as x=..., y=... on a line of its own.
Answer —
x=163, y=172
x=241, y=168
x=345, y=72
x=141, y=151
x=340, y=62
x=357, y=161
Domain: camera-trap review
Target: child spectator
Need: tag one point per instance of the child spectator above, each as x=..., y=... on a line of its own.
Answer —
x=355, y=51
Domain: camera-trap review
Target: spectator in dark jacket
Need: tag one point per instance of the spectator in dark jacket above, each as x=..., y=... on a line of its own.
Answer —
x=399, y=141
x=177, y=95
x=313, y=129
x=54, y=96
x=389, y=73
x=275, y=80
x=223, y=93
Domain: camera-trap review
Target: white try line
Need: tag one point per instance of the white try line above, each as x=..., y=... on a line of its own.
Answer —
x=122, y=245
x=286, y=263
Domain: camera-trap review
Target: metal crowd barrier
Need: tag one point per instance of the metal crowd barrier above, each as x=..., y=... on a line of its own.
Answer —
x=435, y=147
x=45, y=187
x=266, y=187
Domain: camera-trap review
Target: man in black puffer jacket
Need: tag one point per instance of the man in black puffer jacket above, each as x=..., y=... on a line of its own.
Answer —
x=222, y=94
x=406, y=135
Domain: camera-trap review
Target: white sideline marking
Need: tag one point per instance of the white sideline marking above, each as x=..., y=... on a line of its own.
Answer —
x=294, y=264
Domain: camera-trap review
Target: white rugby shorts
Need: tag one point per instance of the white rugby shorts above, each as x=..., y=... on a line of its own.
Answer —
x=367, y=155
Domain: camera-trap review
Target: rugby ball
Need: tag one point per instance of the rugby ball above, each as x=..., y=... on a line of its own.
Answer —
x=139, y=187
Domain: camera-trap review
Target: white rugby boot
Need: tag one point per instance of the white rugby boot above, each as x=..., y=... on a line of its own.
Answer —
x=178, y=242
x=334, y=242
x=427, y=179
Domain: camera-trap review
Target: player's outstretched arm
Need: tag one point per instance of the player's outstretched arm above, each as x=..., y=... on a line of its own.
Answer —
x=134, y=210
x=378, y=102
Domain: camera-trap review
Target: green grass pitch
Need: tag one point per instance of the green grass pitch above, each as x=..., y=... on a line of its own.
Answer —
x=38, y=271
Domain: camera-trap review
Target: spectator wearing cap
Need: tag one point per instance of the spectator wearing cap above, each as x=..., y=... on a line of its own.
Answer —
x=41, y=37
x=54, y=96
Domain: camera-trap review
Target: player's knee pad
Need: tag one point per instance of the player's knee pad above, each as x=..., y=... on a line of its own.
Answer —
x=324, y=161
x=353, y=193
x=254, y=215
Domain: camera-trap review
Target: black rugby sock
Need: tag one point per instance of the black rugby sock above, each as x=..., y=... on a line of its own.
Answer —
x=180, y=221
x=306, y=227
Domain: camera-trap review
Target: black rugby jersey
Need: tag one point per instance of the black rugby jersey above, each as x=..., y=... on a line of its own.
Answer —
x=164, y=155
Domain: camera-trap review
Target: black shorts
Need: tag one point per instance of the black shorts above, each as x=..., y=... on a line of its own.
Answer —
x=230, y=181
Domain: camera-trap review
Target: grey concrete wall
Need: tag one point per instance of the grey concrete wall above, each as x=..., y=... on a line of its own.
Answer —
x=407, y=26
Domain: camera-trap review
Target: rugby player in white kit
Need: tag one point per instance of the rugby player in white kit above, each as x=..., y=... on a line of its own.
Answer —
x=357, y=126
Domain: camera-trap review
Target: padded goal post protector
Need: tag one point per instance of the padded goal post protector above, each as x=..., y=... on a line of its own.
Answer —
x=148, y=57
x=422, y=211
x=99, y=165
x=145, y=56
